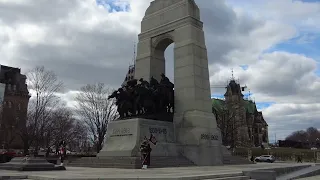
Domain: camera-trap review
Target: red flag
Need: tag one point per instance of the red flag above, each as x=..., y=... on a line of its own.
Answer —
x=153, y=139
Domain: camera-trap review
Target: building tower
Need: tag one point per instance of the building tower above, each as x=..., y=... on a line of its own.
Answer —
x=14, y=107
x=235, y=103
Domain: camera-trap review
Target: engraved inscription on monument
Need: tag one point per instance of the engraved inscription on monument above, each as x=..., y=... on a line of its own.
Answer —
x=209, y=137
x=157, y=130
x=121, y=132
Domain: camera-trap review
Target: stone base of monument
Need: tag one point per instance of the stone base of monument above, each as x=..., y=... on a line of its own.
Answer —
x=121, y=149
x=124, y=138
x=123, y=141
x=122, y=146
x=30, y=164
x=199, y=138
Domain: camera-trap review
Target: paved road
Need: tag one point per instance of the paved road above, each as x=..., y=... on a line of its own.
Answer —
x=159, y=173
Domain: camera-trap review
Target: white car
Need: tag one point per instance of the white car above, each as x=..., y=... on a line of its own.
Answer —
x=265, y=158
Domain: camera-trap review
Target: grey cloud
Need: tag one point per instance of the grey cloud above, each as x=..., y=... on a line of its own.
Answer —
x=36, y=11
x=74, y=70
x=282, y=74
x=219, y=18
x=222, y=26
x=77, y=75
x=278, y=86
x=285, y=125
x=106, y=58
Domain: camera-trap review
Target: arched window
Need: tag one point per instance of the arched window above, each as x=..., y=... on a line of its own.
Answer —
x=9, y=104
x=14, y=87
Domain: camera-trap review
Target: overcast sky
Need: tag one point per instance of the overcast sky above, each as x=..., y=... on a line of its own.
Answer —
x=272, y=45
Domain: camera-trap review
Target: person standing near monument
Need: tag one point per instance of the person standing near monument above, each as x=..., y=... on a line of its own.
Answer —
x=62, y=152
x=145, y=150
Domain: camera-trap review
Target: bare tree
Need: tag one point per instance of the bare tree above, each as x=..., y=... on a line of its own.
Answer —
x=96, y=110
x=313, y=134
x=78, y=137
x=65, y=127
x=310, y=135
x=226, y=124
x=43, y=85
x=229, y=126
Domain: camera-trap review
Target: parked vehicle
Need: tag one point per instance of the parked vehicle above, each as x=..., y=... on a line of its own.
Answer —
x=6, y=155
x=265, y=158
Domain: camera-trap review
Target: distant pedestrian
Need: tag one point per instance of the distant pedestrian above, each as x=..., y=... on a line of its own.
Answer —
x=252, y=159
x=299, y=159
x=62, y=152
x=48, y=152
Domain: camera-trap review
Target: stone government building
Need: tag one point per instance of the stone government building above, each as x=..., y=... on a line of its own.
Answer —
x=241, y=124
x=244, y=124
x=13, y=113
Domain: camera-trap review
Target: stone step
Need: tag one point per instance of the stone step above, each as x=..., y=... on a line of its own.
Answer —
x=305, y=172
x=228, y=158
x=117, y=165
x=231, y=178
x=130, y=162
x=235, y=160
x=173, y=164
x=22, y=177
x=152, y=160
x=107, y=166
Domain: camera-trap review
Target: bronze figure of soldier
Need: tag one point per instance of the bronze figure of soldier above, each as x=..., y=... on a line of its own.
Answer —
x=144, y=83
x=153, y=100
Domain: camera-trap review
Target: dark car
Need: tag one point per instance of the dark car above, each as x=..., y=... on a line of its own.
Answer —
x=6, y=156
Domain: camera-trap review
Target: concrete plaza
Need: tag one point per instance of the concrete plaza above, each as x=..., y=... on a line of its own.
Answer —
x=205, y=172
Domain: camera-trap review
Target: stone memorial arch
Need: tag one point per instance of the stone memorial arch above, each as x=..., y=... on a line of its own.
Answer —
x=193, y=133
x=178, y=22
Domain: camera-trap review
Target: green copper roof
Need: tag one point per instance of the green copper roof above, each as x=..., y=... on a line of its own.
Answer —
x=218, y=104
x=250, y=106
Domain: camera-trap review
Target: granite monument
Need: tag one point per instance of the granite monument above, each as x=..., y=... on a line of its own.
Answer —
x=192, y=133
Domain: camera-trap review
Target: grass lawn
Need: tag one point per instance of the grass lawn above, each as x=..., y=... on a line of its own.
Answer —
x=280, y=153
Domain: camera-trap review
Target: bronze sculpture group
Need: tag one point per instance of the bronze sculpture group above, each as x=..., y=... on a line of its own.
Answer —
x=154, y=100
